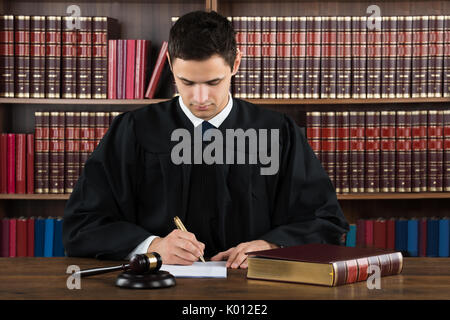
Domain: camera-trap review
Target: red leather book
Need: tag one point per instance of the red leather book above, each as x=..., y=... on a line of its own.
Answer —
x=389, y=56
x=404, y=51
x=257, y=57
x=446, y=178
x=372, y=152
x=84, y=139
x=12, y=237
x=313, y=54
x=390, y=234
x=435, y=55
x=446, y=62
x=344, y=57
x=84, y=58
x=374, y=56
x=239, y=81
x=423, y=237
x=11, y=164
x=130, y=71
x=387, y=151
x=21, y=237
x=53, y=57
x=357, y=151
x=419, y=151
x=72, y=150
x=379, y=234
x=121, y=68
x=22, y=56
x=269, y=57
x=21, y=163
x=342, y=151
x=298, y=56
x=328, y=147
x=420, y=57
x=4, y=237
x=112, y=69
x=284, y=27
x=30, y=162
x=251, y=52
x=403, y=157
x=313, y=131
x=30, y=237
x=37, y=57
x=142, y=55
x=6, y=56
x=361, y=233
x=3, y=163
x=359, y=55
x=101, y=125
x=160, y=62
x=321, y=264
x=435, y=150
x=69, y=59
x=369, y=232
x=56, y=152
x=103, y=29
x=41, y=143
x=328, y=58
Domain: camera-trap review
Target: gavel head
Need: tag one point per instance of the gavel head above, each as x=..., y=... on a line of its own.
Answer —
x=145, y=263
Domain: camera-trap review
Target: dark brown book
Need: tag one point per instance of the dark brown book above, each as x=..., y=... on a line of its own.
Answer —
x=6, y=56
x=322, y=264
x=251, y=52
x=387, y=151
x=69, y=58
x=56, y=152
x=22, y=56
x=419, y=75
x=328, y=58
x=359, y=56
x=313, y=54
x=257, y=57
x=446, y=178
x=389, y=56
x=269, y=57
x=374, y=56
x=404, y=51
x=435, y=55
x=53, y=57
x=239, y=80
x=344, y=57
x=435, y=150
x=357, y=151
x=284, y=38
x=84, y=58
x=30, y=163
x=37, y=57
x=446, y=62
x=298, y=56
x=328, y=147
x=41, y=143
x=419, y=150
x=342, y=151
x=72, y=150
x=403, y=157
x=372, y=152
x=313, y=131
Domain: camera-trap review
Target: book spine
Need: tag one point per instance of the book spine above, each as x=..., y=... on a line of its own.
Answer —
x=3, y=163
x=379, y=234
x=12, y=238
x=446, y=178
x=435, y=56
x=390, y=234
x=250, y=44
x=4, y=237
x=37, y=57
x=53, y=57
x=22, y=56
x=160, y=62
x=84, y=58
x=56, y=152
x=369, y=233
x=72, y=150
x=389, y=56
x=387, y=151
x=328, y=58
x=284, y=38
x=419, y=151
x=21, y=181
x=419, y=57
x=413, y=237
x=359, y=55
x=30, y=236
x=372, y=152
x=69, y=59
x=446, y=58
x=342, y=151
x=241, y=42
x=313, y=132
x=21, y=237
x=49, y=236
x=30, y=163
x=435, y=150
x=343, y=57
x=6, y=56
x=11, y=162
x=257, y=56
x=298, y=56
x=269, y=57
x=42, y=147
x=130, y=71
x=328, y=147
x=357, y=147
x=423, y=237
x=374, y=57
x=112, y=69
x=313, y=57
x=142, y=53
x=404, y=52
x=403, y=158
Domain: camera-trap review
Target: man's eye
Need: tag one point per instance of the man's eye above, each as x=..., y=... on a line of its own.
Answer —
x=214, y=83
x=188, y=83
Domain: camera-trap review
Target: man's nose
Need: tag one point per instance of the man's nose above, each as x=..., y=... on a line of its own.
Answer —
x=200, y=93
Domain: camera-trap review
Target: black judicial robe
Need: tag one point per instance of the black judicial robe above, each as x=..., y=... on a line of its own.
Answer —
x=131, y=189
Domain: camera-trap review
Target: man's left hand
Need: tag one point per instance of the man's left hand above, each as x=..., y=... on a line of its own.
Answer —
x=236, y=257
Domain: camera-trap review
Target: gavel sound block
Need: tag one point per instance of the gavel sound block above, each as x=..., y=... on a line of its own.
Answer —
x=142, y=272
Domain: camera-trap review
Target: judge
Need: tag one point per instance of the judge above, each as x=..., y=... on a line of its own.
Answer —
x=133, y=184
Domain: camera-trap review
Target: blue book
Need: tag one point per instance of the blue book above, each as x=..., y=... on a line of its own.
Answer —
x=49, y=235
x=350, y=241
x=413, y=237
x=58, y=248
x=401, y=236
x=39, y=233
x=432, y=237
x=444, y=239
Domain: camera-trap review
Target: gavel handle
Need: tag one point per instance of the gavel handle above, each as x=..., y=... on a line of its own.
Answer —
x=94, y=271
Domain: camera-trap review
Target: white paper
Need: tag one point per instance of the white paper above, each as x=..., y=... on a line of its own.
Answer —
x=210, y=269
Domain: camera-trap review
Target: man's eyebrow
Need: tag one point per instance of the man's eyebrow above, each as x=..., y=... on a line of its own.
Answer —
x=212, y=80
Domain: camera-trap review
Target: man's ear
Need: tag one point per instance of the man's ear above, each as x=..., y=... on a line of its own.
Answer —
x=237, y=62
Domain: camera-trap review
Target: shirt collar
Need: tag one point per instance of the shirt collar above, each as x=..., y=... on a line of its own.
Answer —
x=216, y=121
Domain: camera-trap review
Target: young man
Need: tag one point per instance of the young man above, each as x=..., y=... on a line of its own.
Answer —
x=139, y=177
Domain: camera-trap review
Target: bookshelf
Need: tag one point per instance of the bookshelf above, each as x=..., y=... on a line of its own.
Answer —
x=146, y=19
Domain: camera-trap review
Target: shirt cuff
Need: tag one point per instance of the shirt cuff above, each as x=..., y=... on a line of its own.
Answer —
x=142, y=247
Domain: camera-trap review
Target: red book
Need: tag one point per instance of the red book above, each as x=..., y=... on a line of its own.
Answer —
x=369, y=233
x=4, y=237
x=3, y=163
x=21, y=181
x=360, y=233
x=112, y=69
x=390, y=234
x=131, y=63
x=379, y=234
x=30, y=163
x=313, y=130
x=423, y=237
x=30, y=237
x=11, y=154
x=160, y=62
x=21, y=236
x=12, y=237
x=142, y=54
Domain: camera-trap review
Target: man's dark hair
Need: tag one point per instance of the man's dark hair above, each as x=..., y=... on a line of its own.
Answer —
x=198, y=35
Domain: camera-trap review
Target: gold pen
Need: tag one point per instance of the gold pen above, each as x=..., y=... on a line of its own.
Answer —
x=181, y=226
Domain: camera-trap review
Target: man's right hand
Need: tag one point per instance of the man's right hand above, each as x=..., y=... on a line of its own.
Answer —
x=178, y=247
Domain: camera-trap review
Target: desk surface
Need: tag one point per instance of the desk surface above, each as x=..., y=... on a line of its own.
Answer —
x=46, y=278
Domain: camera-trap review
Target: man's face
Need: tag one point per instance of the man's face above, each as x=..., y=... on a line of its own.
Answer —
x=204, y=85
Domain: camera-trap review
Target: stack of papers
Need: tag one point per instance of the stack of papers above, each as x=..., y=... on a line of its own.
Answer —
x=210, y=269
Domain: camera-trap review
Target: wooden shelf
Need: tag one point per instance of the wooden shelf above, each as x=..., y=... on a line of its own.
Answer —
x=80, y=101
x=34, y=196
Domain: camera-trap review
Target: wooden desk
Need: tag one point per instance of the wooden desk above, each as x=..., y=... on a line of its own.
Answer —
x=45, y=278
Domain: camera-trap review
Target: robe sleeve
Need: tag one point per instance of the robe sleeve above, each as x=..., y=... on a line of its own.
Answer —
x=99, y=217
x=306, y=209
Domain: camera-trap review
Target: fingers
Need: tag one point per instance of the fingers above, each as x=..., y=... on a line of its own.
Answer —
x=222, y=255
x=237, y=256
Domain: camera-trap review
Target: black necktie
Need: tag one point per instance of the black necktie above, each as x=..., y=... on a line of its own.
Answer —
x=205, y=126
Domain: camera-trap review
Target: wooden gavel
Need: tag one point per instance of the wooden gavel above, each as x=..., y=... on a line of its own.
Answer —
x=139, y=264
